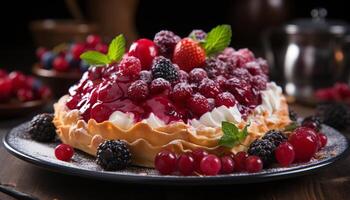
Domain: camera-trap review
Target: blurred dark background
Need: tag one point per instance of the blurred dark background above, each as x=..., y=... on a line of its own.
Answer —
x=248, y=17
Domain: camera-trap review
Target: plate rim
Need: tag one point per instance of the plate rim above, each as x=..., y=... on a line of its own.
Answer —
x=169, y=179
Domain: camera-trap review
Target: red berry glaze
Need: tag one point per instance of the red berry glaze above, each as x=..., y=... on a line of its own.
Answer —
x=305, y=143
x=145, y=50
x=285, y=154
x=186, y=164
x=210, y=165
x=165, y=162
x=64, y=152
x=253, y=164
x=239, y=160
x=227, y=165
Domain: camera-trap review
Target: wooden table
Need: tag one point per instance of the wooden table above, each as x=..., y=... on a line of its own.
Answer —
x=330, y=183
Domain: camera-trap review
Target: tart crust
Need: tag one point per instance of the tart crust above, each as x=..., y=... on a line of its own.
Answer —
x=145, y=142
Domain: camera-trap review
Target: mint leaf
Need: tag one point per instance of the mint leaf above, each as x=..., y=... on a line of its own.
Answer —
x=116, y=48
x=95, y=58
x=217, y=39
x=232, y=135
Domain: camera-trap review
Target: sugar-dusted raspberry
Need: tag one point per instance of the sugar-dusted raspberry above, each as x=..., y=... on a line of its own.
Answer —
x=181, y=92
x=159, y=85
x=215, y=67
x=183, y=76
x=209, y=88
x=244, y=56
x=197, y=74
x=138, y=90
x=241, y=73
x=146, y=76
x=225, y=99
x=221, y=81
x=258, y=82
x=263, y=65
x=130, y=66
x=166, y=41
x=254, y=68
x=198, y=104
x=242, y=91
x=198, y=35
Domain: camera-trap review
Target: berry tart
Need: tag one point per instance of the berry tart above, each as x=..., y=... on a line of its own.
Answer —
x=173, y=96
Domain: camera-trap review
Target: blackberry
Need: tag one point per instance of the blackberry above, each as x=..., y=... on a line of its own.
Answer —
x=113, y=155
x=163, y=68
x=336, y=115
x=215, y=67
x=198, y=35
x=166, y=41
x=293, y=115
x=276, y=137
x=313, y=122
x=264, y=149
x=41, y=128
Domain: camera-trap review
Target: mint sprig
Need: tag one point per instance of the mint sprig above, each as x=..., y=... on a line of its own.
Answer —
x=116, y=50
x=232, y=135
x=217, y=39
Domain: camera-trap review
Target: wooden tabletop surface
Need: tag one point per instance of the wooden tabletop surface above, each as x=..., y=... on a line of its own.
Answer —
x=330, y=183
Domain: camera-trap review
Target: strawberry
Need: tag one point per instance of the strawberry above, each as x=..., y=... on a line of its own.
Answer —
x=188, y=54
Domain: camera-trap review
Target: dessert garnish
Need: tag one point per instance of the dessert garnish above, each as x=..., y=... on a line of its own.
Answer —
x=232, y=135
x=64, y=152
x=41, y=128
x=113, y=155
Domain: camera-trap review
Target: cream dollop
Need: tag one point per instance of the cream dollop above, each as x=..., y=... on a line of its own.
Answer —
x=271, y=98
x=127, y=120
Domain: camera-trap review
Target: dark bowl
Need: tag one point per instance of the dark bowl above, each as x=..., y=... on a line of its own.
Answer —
x=16, y=109
x=59, y=82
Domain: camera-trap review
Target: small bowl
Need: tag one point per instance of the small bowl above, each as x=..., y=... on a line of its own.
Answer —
x=59, y=82
x=16, y=109
x=50, y=32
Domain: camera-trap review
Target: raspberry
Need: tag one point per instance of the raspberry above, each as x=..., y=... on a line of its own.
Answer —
x=221, y=81
x=241, y=73
x=181, y=92
x=146, y=76
x=243, y=56
x=215, y=67
x=183, y=76
x=258, y=82
x=138, y=90
x=188, y=54
x=197, y=75
x=130, y=66
x=225, y=99
x=166, y=41
x=254, y=68
x=263, y=65
x=241, y=90
x=198, y=104
x=159, y=85
x=163, y=68
x=209, y=88
x=198, y=35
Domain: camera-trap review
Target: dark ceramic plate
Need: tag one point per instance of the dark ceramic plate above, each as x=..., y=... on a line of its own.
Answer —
x=18, y=143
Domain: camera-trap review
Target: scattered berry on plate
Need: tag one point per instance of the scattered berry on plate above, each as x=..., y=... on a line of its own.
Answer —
x=285, y=154
x=41, y=128
x=253, y=164
x=64, y=152
x=198, y=155
x=210, y=165
x=305, y=143
x=239, y=160
x=275, y=136
x=113, y=155
x=323, y=139
x=186, y=164
x=227, y=165
x=264, y=149
x=312, y=122
x=165, y=162
x=336, y=115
